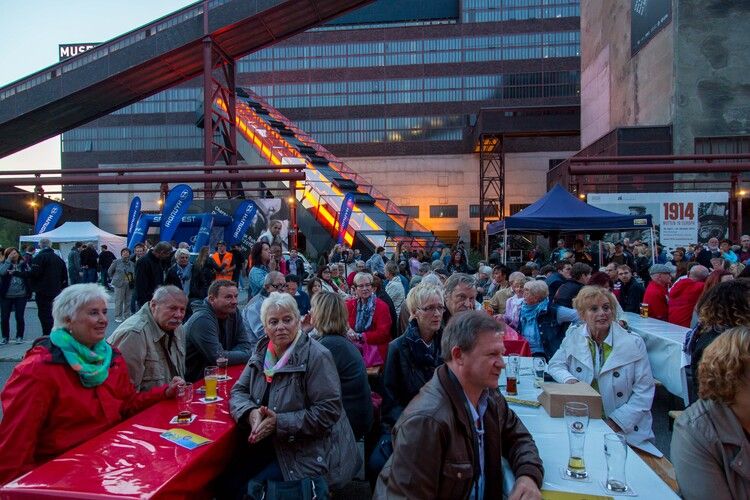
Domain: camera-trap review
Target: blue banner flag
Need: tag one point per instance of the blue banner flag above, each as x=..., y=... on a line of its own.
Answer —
x=48, y=217
x=347, y=207
x=242, y=219
x=133, y=214
x=178, y=200
x=140, y=230
x=204, y=233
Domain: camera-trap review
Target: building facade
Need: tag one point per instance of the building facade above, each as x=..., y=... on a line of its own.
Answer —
x=394, y=90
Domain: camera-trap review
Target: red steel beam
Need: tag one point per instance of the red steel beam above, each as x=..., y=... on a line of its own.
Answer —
x=660, y=168
x=152, y=169
x=116, y=191
x=624, y=159
x=153, y=179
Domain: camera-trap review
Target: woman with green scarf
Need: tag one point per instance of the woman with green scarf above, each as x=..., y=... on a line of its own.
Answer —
x=288, y=401
x=70, y=387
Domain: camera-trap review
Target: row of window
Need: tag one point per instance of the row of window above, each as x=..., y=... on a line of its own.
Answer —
x=483, y=11
x=409, y=52
x=449, y=211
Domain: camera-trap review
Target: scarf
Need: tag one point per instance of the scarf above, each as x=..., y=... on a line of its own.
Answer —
x=425, y=357
x=92, y=365
x=365, y=312
x=272, y=363
x=529, y=313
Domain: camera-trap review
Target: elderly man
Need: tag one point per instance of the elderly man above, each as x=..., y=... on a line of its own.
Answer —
x=48, y=277
x=394, y=287
x=274, y=282
x=359, y=266
x=684, y=295
x=449, y=441
x=656, y=295
x=215, y=330
x=744, y=252
x=460, y=295
x=179, y=274
x=152, y=340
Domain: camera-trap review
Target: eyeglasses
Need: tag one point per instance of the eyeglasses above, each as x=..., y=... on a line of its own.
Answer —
x=432, y=309
x=278, y=286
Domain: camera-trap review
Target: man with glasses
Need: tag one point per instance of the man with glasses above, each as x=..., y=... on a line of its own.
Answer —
x=274, y=282
x=215, y=330
x=460, y=295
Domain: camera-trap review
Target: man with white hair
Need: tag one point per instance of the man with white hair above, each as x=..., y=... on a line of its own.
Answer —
x=179, y=274
x=48, y=278
x=684, y=295
x=152, y=340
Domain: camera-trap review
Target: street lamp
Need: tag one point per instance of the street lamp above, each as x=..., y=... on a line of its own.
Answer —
x=33, y=204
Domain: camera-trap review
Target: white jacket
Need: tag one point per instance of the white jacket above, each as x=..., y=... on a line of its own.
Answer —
x=625, y=381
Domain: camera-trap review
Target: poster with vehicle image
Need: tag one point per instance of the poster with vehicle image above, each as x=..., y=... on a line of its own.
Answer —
x=679, y=218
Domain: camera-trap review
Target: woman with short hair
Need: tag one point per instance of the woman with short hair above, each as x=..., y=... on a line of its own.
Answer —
x=15, y=291
x=710, y=438
x=539, y=320
x=289, y=400
x=329, y=317
x=369, y=317
x=122, y=273
x=70, y=387
x=614, y=361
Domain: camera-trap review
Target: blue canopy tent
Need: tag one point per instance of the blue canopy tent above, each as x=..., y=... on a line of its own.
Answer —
x=560, y=211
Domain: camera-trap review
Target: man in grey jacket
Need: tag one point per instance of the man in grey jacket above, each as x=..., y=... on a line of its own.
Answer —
x=215, y=330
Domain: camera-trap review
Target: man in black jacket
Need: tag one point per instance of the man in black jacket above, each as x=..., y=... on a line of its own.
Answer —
x=48, y=277
x=89, y=263
x=579, y=277
x=106, y=258
x=631, y=290
x=150, y=271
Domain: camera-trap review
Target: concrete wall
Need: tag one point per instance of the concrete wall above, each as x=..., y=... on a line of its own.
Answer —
x=712, y=65
x=618, y=90
x=453, y=180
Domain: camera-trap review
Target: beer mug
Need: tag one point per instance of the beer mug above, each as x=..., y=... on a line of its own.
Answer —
x=616, y=453
x=512, y=374
x=577, y=421
x=211, y=380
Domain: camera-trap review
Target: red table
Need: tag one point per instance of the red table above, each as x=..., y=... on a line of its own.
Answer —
x=518, y=346
x=131, y=460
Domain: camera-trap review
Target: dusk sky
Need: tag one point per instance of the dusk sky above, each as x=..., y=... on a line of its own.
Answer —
x=31, y=30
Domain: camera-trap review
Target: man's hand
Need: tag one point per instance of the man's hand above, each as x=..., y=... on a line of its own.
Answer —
x=171, y=391
x=525, y=489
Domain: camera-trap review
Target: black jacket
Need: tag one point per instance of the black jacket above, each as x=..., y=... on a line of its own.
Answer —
x=201, y=278
x=149, y=275
x=631, y=296
x=355, y=389
x=567, y=292
x=48, y=273
x=106, y=258
x=89, y=258
x=402, y=378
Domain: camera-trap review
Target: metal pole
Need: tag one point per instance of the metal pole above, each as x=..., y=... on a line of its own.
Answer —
x=293, y=228
x=208, y=128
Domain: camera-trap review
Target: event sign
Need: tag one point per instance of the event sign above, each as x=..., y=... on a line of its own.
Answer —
x=133, y=213
x=175, y=206
x=647, y=18
x=345, y=214
x=680, y=219
x=48, y=217
x=204, y=232
x=243, y=217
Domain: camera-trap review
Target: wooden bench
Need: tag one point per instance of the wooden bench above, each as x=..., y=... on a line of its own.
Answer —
x=663, y=468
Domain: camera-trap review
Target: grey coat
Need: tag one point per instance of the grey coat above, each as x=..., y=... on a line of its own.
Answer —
x=710, y=453
x=313, y=436
x=117, y=271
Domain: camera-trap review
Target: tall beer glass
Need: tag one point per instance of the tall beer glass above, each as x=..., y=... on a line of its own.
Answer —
x=577, y=421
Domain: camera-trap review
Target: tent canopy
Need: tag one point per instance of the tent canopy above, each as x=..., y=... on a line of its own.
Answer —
x=70, y=232
x=559, y=210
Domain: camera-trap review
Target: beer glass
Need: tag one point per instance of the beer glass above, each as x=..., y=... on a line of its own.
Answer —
x=211, y=379
x=540, y=366
x=184, y=398
x=577, y=421
x=616, y=452
x=221, y=364
x=512, y=371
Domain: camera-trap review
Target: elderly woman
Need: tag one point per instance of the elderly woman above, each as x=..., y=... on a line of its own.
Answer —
x=260, y=256
x=515, y=301
x=122, y=273
x=328, y=315
x=539, y=320
x=413, y=357
x=601, y=353
x=15, y=291
x=289, y=399
x=369, y=317
x=70, y=387
x=710, y=438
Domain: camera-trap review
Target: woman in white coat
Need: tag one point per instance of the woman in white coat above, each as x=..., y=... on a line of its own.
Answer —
x=601, y=353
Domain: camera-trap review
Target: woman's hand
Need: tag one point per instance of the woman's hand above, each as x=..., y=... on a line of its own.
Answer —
x=266, y=427
x=171, y=391
x=254, y=419
x=572, y=381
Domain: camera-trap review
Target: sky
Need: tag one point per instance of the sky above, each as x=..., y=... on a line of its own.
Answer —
x=31, y=30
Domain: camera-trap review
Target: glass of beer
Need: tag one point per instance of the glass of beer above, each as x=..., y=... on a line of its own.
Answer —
x=616, y=452
x=540, y=366
x=184, y=398
x=644, y=310
x=211, y=379
x=512, y=371
x=221, y=364
x=577, y=421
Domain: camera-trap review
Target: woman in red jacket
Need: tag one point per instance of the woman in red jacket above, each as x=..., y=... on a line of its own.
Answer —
x=369, y=317
x=70, y=387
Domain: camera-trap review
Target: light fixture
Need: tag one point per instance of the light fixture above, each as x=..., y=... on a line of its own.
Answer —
x=290, y=200
x=160, y=202
x=741, y=192
x=582, y=196
x=32, y=204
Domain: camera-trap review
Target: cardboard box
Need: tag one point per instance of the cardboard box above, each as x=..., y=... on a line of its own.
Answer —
x=554, y=396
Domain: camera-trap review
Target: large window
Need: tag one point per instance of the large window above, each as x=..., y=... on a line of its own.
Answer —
x=410, y=210
x=489, y=211
x=444, y=211
x=394, y=129
x=132, y=137
x=483, y=11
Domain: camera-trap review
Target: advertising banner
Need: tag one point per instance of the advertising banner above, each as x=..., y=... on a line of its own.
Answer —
x=204, y=232
x=133, y=213
x=48, y=217
x=141, y=228
x=243, y=217
x=175, y=206
x=347, y=207
x=679, y=219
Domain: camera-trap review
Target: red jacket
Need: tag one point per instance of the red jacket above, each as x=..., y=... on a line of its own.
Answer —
x=656, y=298
x=46, y=410
x=379, y=333
x=682, y=299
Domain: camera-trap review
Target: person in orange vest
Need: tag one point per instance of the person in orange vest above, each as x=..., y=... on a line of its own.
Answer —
x=224, y=260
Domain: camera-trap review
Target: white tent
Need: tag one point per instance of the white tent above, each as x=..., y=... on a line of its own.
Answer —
x=85, y=232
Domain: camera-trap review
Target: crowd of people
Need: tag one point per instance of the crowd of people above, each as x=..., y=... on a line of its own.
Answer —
x=402, y=351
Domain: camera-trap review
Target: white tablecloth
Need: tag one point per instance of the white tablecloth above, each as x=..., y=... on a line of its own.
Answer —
x=664, y=345
x=552, y=440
